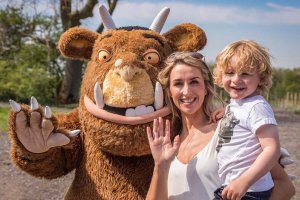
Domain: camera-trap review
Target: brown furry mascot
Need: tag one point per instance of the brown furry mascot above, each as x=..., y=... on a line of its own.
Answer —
x=104, y=139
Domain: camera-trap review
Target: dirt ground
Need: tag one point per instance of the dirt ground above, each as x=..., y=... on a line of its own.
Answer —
x=17, y=185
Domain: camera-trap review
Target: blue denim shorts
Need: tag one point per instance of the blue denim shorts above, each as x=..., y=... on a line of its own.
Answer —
x=264, y=195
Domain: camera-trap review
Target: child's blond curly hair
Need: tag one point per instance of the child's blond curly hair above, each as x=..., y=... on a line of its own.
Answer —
x=250, y=55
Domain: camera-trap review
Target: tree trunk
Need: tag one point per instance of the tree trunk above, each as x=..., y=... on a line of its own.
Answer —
x=69, y=91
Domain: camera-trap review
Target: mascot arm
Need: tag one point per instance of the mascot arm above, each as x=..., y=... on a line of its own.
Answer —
x=41, y=144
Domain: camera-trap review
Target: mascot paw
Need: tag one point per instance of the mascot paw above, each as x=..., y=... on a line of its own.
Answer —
x=35, y=128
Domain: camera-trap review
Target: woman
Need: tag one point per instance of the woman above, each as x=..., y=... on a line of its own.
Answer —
x=187, y=169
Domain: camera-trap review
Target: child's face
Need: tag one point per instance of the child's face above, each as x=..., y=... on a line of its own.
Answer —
x=242, y=83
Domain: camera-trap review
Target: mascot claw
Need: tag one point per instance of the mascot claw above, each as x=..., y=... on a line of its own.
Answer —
x=15, y=106
x=36, y=130
x=34, y=105
x=48, y=112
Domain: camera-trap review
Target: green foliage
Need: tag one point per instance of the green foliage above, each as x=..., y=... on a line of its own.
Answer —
x=28, y=56
x=28, y=77
x=4, y=119
x=284, y=81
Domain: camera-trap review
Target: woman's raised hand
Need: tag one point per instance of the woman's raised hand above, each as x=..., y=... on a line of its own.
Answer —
x=163, y=151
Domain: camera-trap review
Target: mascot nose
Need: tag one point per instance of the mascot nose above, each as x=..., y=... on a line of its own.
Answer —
x=125, y=66
x=127, y=72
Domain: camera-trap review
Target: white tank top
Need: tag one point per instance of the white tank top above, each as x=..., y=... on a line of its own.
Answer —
x=199, y=178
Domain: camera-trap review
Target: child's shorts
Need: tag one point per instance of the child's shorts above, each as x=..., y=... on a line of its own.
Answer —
x=264, y=195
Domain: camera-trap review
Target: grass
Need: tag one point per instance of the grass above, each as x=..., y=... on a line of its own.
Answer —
x=4, y=118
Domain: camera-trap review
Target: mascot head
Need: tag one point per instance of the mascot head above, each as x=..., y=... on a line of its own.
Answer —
x=120, y=94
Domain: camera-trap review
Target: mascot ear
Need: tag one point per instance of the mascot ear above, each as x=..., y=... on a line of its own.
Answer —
x=186, y=37
x=77, y=43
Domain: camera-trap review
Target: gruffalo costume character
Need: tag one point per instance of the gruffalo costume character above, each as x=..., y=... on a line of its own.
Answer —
x=120, y=96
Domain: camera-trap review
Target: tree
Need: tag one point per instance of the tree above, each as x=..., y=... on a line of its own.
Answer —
x=28, y=58
x=73, y=69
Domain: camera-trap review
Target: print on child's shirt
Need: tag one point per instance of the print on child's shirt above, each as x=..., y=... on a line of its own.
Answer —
x=228, y=122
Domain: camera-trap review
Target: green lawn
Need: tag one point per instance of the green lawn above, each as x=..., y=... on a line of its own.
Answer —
x=4, y=119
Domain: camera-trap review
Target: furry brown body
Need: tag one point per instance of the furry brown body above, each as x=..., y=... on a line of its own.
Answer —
x=111, y=156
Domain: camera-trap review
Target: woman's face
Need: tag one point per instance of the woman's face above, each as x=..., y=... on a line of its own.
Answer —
x=187, y=88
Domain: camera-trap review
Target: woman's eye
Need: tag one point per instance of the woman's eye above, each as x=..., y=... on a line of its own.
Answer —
x=104, y=55
x=152, y=56
x=194, y=82
x=177, y=84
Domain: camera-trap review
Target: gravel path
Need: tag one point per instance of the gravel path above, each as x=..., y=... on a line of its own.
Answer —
x=17, y=185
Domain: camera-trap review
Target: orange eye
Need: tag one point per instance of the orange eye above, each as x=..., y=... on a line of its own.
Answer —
x=103, y=55
x=152, y=56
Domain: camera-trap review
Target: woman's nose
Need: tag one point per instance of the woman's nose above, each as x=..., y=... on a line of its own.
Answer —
x=185, y=89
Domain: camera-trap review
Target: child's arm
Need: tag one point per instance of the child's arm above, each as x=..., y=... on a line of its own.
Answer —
x=269, y=141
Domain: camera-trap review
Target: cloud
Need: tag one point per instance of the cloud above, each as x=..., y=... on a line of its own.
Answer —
x=128, y=13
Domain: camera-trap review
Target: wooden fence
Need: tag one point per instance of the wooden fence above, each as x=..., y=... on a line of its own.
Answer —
x=291, y=101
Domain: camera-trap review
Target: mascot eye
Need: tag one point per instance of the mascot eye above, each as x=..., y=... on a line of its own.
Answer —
x=103, y=55
x=151, y=56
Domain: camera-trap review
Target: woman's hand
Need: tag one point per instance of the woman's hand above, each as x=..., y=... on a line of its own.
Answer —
x=162, y=149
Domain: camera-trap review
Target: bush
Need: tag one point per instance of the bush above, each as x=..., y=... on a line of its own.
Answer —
x=28, y=76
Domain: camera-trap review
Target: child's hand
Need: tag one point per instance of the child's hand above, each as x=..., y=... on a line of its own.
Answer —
x=235, y=190
x=217, y=114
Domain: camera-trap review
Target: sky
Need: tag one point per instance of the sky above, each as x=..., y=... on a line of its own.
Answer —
x=274, y=24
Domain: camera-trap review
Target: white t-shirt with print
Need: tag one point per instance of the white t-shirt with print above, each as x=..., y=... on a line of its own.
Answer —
x=238, y=146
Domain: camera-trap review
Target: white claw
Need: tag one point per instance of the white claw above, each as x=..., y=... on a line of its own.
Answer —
x=286, y=161
x=14, y=106
x=98, y=96
x=284, y=152
x=158, y=97
x=48, y=112
x=34, y=103
x=74, y=133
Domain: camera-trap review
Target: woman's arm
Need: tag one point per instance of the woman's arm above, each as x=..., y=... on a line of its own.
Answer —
x=159, y=184
x=163, y=152
x=284, y=188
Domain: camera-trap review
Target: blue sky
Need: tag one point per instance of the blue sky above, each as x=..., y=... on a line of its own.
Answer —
x=274, y=24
